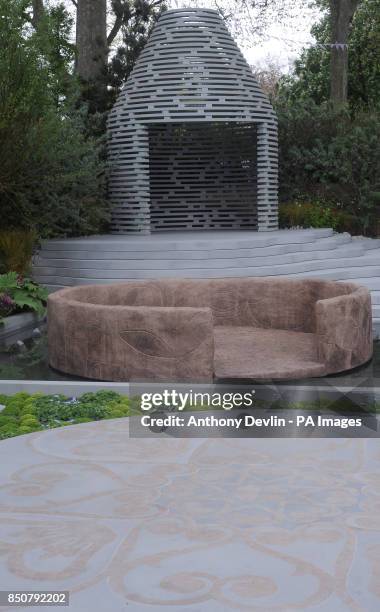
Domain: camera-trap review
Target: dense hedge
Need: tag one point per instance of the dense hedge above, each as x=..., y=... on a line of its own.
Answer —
x=331, y=158
x=51, y=171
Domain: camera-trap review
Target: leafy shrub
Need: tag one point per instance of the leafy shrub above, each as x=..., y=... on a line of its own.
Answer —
x=16, y=250
x=18, y=293
x=317, y=214
x=51, y=173
x=328, y=156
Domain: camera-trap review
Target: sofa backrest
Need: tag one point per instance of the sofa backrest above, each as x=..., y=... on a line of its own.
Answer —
x=278, y=303
x=270, y=303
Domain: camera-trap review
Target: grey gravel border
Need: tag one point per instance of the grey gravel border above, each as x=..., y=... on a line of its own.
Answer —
x=71, y=388
x=77, y=388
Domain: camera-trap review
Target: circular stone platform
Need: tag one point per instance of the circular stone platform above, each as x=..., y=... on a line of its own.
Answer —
x=194, y=525
x=312, y=253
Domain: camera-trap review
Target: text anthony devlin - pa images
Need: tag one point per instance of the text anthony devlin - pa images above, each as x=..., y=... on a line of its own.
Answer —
x=246, y=421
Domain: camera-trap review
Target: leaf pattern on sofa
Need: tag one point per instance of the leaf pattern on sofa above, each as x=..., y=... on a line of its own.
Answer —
x=147, y=343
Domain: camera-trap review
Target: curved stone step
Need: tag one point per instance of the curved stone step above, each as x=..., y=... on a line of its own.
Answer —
x=293, y=253
x=368, y=243
x=344, y=268
x=49, y=276
x=324, y=244
x=207, y=260
x=187, y=240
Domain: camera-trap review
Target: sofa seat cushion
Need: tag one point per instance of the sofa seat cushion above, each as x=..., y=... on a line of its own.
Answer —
x=253, y=353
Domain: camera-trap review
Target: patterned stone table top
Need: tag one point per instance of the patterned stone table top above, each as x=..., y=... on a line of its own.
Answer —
x=196, y=525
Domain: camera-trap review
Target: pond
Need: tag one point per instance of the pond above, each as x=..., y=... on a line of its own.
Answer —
x=28, y=360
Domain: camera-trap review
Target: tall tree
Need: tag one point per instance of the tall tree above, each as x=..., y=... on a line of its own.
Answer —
x=38, y=11
x=312, y=70
x=53, y=25
x=341, y=14
x=258, y=14
x=91, y=39
x=102, y=73
x=51, y=174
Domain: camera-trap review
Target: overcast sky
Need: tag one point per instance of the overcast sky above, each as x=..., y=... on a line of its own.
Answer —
x=282, y=42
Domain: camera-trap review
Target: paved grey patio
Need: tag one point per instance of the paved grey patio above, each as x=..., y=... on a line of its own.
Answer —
x=195, y=525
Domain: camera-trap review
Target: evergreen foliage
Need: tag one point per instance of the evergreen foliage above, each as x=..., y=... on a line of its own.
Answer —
x=332, y=158
x=311, y=75
x=137, y=18
x=51, y=174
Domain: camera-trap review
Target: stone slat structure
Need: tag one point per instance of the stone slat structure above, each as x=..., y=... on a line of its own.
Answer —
x=192, y=138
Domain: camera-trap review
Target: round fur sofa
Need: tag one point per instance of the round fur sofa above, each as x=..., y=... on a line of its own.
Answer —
x=205, y=330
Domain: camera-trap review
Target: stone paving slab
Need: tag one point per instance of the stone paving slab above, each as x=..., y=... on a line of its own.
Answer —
x=195, y=525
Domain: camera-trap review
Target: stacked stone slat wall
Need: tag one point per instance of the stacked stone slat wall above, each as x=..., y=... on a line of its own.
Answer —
x=190, y=71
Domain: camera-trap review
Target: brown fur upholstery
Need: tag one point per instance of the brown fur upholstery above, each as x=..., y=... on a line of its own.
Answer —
x=196, y=330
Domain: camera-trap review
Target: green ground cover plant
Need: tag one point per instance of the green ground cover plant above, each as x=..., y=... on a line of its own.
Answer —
x=25, y=413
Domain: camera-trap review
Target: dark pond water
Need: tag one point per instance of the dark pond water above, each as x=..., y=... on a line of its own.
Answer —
x=29, y=361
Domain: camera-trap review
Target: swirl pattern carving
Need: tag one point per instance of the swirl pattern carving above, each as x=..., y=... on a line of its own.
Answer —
x=191, y=524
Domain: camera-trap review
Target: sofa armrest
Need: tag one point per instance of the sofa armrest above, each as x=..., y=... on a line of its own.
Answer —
x=177, y=342
x=131, y=342
x=344, y=330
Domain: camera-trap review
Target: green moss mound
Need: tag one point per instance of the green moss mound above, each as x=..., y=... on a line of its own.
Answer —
x=25, y=413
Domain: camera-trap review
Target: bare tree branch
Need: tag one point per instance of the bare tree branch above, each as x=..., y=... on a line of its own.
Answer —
x=119, y=22
x=115, y=30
